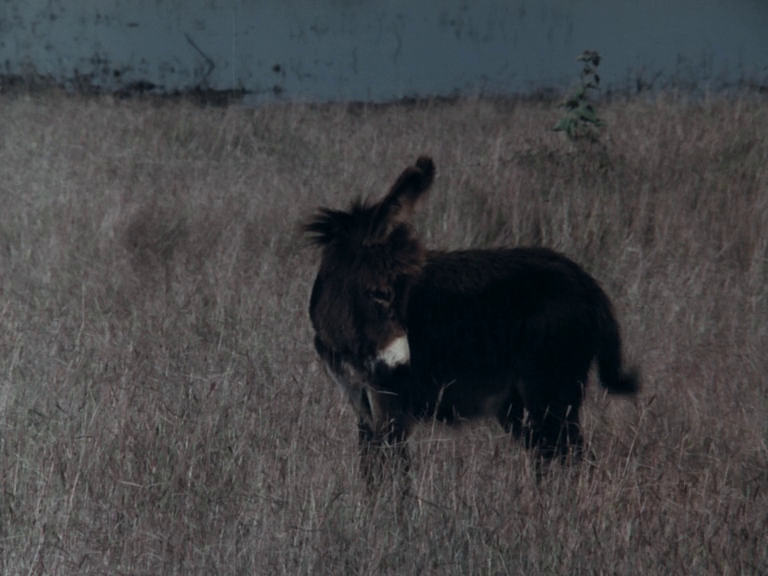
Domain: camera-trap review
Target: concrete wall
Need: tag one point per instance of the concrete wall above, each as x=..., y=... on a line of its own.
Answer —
x=383, y=49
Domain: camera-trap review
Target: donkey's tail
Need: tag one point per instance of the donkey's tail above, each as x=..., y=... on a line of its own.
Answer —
x=613, y=376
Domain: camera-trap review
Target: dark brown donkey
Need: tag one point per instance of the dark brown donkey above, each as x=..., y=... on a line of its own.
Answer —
x=412, y=334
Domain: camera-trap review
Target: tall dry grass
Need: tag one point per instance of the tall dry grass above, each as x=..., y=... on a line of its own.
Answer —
x=161, y=409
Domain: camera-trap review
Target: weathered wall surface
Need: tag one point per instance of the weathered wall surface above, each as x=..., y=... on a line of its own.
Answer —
x=383, y=50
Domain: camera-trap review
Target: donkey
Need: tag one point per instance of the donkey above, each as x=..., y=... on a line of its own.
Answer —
x=411, y=334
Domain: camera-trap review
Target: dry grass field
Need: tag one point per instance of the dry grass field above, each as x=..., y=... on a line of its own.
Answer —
x=161, y=407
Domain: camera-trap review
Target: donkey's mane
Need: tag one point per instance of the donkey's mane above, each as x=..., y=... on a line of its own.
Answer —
x=329, y=226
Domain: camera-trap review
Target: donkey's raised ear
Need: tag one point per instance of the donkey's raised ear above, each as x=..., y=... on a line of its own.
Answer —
x=398, y=205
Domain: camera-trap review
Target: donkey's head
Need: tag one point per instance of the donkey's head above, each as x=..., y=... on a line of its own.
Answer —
x=370, y=257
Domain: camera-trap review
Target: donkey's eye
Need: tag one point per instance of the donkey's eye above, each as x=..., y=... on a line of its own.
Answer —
x=380, y=296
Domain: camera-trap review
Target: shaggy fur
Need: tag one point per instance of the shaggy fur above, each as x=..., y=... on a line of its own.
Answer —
x=489, y=332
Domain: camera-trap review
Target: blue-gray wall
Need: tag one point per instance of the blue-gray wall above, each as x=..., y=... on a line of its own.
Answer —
x=383, y=49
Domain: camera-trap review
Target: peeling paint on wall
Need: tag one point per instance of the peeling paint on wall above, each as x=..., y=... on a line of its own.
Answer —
x=368, y=50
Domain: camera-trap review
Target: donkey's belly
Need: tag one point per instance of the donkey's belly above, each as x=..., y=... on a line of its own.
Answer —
x=464, y=398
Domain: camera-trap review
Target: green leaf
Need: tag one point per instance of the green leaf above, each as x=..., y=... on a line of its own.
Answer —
x=587, y=116
x=564, y=124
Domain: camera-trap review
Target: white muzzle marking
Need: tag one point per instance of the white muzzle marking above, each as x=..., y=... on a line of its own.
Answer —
x=396, y=353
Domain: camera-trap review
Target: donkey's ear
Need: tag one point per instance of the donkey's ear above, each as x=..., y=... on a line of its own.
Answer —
x=398, y=205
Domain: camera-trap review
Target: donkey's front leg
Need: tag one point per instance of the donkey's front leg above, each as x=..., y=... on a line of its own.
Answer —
x=383, y=443
x=383, y=456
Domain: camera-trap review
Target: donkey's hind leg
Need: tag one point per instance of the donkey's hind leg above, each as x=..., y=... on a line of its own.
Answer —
x=555, y=432
x=554, y=406
x=511, y=414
